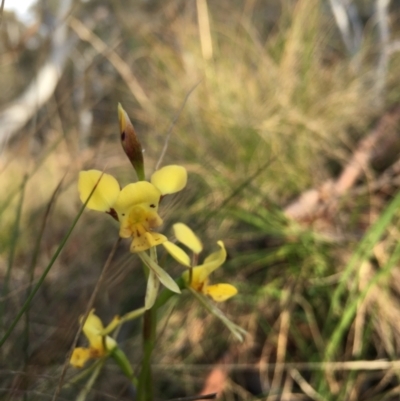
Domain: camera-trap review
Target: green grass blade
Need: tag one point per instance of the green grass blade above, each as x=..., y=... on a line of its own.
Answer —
x=365, y=249
x=43, y=276
x=13, y=247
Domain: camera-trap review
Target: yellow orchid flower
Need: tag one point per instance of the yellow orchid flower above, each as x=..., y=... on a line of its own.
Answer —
x=99, y=345
x=136, y=205
x=198, y=280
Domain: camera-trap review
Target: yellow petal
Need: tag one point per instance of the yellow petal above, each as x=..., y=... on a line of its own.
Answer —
x=170, y=179
x=92, y=329
x=197, y=283
x=220, y=292
x=187, y=237
x=79, y=357
x=218, y=256
x=112, y=325
x=139, y=193
x=146, y=241
x=177, y=253
x=211, y=263
x=105, y=194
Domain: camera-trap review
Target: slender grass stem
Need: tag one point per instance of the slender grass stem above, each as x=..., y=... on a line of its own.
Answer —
x=46, y=271
x=351, y=310
x=41, y=279
x=364, y=251
x=31, y=271
x=13, y=247
x=89, y=384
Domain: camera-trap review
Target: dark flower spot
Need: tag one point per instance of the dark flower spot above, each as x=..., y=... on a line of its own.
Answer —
x=113, y=214
x=152, y=205
x=123, y=136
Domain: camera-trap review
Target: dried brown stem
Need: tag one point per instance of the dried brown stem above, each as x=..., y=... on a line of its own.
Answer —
x=316, y=201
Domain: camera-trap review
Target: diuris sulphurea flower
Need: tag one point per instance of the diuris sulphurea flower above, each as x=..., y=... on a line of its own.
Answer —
x=198, y=278
x=99, y=345
x=136, y=205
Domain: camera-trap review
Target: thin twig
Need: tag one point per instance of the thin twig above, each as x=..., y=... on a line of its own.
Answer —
x=305, y=386
x=32, y=266
x=382, y=10
x=362, y=365
x=177, y=115
x=44, y=274
x=2, y=11
x=312, y=322
x=88, y=309
x=211, y=396
x=281, y=348
x=13, y=246
x=117, y=62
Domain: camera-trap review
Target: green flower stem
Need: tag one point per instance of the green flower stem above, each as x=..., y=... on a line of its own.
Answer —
x=122, y=361
x=118, y=321
x=145, y=385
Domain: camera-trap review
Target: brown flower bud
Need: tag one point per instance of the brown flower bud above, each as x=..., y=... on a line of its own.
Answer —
x=130, y=143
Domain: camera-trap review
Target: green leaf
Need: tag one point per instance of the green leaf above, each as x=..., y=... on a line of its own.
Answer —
x=153, y=284
x=162, y=275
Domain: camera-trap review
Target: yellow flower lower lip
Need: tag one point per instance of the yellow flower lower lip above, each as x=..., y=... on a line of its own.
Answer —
x=146, y=240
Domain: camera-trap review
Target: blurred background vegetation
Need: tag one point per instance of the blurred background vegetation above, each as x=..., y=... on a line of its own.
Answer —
x=286, y=115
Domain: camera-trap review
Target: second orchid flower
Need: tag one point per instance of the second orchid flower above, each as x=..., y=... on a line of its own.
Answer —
x=198, y=277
